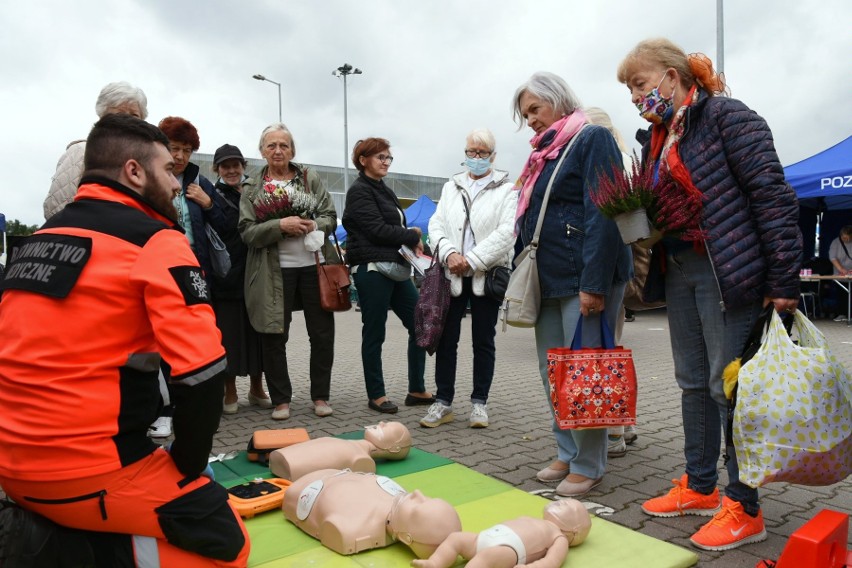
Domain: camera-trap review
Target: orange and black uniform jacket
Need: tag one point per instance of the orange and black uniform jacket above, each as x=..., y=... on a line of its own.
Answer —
x=90, y=303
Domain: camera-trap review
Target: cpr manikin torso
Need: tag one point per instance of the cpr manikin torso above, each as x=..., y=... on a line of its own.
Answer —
x=350, y=512
x=542, y=543
x=386, y=440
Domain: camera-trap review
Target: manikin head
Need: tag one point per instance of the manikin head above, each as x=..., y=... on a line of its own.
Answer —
x=422, y=523
x=571, y=517
x=391, y=439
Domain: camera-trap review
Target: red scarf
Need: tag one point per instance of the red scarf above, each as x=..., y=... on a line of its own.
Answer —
x=664, y=147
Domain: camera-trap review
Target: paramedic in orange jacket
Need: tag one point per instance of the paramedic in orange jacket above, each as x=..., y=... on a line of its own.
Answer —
x=90, y=303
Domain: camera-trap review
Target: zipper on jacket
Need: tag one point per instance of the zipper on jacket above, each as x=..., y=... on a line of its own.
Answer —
x=715, y=276
x=569, y=228
x=99, y=494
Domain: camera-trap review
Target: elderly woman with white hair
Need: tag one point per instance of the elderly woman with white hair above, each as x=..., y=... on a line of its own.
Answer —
x=115, y=98
x=281, y=274
x=583, y=264
x=471, y=231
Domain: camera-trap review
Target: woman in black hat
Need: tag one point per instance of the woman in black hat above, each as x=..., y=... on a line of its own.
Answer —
x=241, y=341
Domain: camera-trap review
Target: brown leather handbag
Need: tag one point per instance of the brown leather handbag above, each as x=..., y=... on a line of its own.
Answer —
x=334, y=284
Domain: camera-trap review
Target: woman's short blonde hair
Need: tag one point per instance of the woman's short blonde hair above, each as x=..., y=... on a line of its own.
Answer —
x=693, y=69
x=599, y=116
x=660, y=52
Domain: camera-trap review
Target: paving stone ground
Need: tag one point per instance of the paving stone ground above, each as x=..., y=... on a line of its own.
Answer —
x=518, y=441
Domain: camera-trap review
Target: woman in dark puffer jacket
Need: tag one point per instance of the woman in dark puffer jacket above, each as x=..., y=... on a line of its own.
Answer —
x=743, y=251
x=376, y=229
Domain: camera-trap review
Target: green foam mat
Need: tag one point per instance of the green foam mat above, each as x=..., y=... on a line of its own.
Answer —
x=481, y=502
x=238, y=470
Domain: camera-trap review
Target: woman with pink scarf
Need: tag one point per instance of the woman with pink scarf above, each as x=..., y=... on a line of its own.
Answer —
x=583, y=264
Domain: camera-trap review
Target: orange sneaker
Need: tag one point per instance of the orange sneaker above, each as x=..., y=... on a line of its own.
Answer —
x=730, y=528
x=681, y=500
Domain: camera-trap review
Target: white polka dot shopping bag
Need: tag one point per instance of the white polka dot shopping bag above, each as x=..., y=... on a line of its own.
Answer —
x=793, y=418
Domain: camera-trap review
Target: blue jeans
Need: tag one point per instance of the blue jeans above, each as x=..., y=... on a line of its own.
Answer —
x=483, y=313
x=704, y=340
x=377, y=294
x=583, y=450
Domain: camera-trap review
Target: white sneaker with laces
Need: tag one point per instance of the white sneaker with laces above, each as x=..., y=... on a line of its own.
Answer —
x=478, y=416
x=438, y=413
x=630, y=435
x=616, y=447
x=161, y=428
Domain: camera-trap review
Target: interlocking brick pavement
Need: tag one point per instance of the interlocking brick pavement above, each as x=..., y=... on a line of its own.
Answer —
x=518, y=441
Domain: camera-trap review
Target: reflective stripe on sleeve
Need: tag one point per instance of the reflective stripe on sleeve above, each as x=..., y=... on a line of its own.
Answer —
x=200, y=375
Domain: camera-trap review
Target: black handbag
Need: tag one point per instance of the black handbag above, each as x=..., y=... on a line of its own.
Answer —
x=496, y=282
x=496, y=277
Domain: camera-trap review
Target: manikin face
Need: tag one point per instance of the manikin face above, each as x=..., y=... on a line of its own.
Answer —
x=571, y=517
x=538, y=113
x=422, y=522
x=181, y=152
x=231, y=171
x=160, y=184
x=391, y=436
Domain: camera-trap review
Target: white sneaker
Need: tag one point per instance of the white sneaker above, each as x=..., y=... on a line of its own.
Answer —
x=616, y=447
x=437, y=414
x=478, y=416
x=630, y=435
x=840, y=318
x=161, y=428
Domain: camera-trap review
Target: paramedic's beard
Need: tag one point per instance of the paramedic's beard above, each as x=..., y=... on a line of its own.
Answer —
x=161, y=199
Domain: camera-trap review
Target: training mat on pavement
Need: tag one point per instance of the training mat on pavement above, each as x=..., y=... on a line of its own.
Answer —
x=481, y=502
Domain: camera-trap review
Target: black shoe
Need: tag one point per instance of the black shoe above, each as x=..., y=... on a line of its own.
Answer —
x=32, y=541
x=387, y=407
x=411, y=400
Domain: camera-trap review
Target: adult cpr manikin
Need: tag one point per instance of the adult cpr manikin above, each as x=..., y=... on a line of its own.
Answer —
x=386, y=440
x=351, y=512
x=525, y=541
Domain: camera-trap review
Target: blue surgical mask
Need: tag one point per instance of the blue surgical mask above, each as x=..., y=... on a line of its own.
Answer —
x=477, y=166
x=654, y=107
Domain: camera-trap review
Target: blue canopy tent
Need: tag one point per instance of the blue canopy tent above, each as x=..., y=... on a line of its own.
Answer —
x=823, y=184
x=824, y=181
x=417, y=215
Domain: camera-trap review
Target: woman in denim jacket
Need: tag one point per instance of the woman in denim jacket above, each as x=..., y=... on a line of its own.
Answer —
x=583, y=264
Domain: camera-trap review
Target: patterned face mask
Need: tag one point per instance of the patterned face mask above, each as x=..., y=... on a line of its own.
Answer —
x=654, y=107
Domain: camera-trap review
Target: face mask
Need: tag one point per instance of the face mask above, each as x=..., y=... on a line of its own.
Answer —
x=477, y=166
x=654, y=107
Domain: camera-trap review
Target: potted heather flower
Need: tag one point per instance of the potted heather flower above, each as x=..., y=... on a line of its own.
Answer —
x=279, y=200
x=626, y=197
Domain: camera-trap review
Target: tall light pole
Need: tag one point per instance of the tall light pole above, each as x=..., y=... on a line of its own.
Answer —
x=720, y=37
x=344, y=71
x=260, y=77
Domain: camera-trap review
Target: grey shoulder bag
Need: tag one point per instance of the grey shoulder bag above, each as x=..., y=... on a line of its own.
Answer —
x=523, y=293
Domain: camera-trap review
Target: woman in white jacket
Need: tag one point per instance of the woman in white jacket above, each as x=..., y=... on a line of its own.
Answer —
x=471, y=231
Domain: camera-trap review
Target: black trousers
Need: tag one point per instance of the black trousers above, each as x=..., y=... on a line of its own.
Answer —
x=302, y=284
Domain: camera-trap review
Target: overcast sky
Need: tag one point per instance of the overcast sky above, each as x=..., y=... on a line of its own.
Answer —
x=432, y=71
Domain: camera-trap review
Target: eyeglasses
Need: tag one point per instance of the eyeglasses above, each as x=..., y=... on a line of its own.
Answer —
x=477, y=153
x=383, y=158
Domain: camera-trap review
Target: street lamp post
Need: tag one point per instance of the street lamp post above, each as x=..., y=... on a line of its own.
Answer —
x=344, y=71
x=260, y=77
